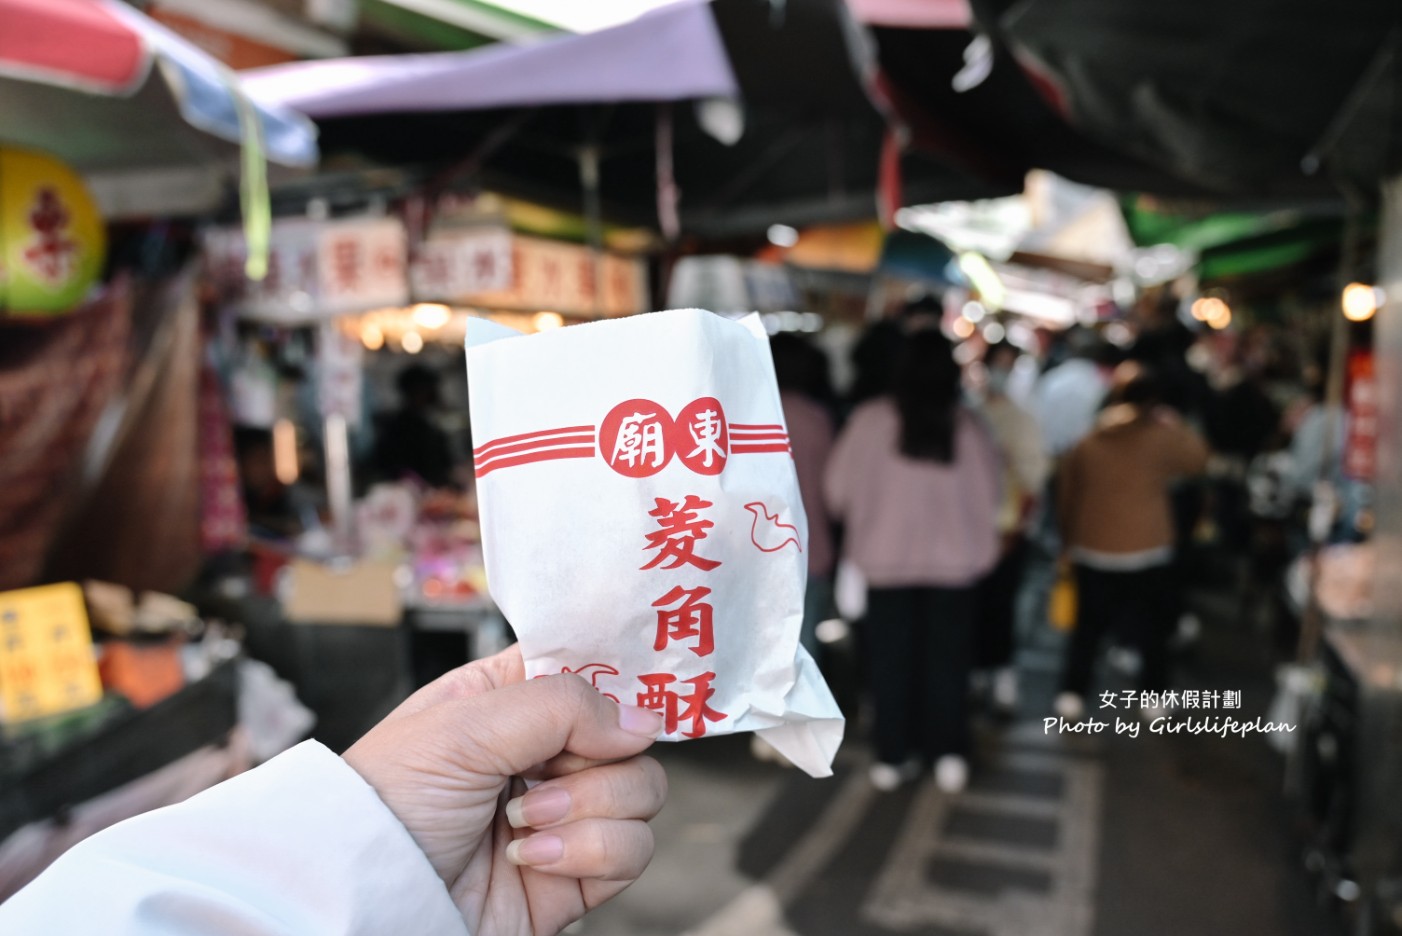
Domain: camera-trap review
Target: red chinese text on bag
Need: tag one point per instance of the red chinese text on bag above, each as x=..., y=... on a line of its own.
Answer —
x=641, y=521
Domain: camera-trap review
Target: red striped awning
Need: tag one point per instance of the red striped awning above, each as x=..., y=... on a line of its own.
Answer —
x=78, y=43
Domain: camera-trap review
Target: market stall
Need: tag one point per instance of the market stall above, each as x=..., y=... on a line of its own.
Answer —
x=346, y=388
x=115, y=697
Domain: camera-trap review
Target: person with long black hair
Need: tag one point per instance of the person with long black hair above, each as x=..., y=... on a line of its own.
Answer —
x=915, y=476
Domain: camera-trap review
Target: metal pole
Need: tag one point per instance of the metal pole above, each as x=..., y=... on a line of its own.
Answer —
x=1312, y=620
x=593, y=216
x=338, y=479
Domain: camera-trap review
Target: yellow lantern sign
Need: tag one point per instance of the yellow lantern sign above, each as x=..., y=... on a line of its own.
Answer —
x=52, y=239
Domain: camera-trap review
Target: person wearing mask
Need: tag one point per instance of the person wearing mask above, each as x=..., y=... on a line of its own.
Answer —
x=424, y=826
x=914, y=476
x=1025, y=471
x=1114, y=506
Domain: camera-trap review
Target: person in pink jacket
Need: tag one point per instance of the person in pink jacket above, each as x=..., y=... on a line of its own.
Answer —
x=915, y=477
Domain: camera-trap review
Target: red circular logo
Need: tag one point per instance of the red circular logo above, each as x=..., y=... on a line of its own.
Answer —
x=635, y=438
x=701, y=437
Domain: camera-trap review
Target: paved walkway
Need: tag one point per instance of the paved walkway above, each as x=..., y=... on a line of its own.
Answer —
x=1057, y=835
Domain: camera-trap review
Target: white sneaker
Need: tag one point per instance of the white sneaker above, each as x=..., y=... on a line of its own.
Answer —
x=1005, y=689
x=1070, y=706
x=1188, y=631
x=889, y=777
x=951, y=773
x=1124, y=660
x=1153, y=712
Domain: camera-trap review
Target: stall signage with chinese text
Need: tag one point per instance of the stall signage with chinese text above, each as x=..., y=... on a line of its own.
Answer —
x=454, y=264
x=52, y=239
x=46, y=653
x=568, y=278
x=316, y=269
x=1361, y=444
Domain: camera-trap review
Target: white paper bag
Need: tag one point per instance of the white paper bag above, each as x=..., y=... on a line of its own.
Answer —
x=641, y=521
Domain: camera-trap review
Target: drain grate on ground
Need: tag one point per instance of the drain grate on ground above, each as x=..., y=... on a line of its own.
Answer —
x=1007, y=830
x=983, y=879
x=1021, y=782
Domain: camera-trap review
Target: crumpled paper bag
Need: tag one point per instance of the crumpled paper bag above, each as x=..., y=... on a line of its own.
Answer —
x=641, y=521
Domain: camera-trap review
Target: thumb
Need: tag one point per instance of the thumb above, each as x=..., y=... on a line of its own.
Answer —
x=518, y=726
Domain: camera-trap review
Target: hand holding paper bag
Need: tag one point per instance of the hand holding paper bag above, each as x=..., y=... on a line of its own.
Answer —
x=641, y=522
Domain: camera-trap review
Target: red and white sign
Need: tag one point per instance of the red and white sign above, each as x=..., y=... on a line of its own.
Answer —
x=340, y=374
x=638, y=438
x=563, y=277
x=456, y=264
x=1361, y=445
x=361, y=264
x=316, y=269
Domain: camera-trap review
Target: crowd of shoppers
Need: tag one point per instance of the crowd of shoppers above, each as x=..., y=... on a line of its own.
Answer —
x=953, y=492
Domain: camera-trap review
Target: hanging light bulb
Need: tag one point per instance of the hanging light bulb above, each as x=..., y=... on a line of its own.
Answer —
x=412, y=342
x=1219, y=314
x=431, y=315
x=1361, y=301
x=545, y=321
x=285, y=466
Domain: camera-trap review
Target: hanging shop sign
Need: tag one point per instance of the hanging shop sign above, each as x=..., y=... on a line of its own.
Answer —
x=462, y=262
x=1361, y=443
x=340, y=374
x=362, y=263
x=568, y=278
x=316, y=269
x=52, y=239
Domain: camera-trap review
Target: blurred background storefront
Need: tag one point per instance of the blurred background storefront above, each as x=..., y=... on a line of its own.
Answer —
x=242, y=240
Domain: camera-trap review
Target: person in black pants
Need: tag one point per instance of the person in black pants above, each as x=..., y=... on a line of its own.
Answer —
x=915, y=476
x=921, y=648
x=1136, y=605
x=1117, y=526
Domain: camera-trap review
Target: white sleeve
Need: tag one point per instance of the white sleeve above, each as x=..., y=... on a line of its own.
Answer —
x=300, y=846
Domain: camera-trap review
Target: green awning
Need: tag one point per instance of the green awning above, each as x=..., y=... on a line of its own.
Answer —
x=1272, y=250
x=447, y=24
x=1234, y=243
x=1199, y=231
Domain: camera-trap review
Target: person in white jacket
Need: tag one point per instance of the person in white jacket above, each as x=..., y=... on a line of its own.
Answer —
x=423, y=827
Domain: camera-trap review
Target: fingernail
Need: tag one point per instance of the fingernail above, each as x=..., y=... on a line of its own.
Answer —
x=538, y=808
x=639, y=721
x=536, y=850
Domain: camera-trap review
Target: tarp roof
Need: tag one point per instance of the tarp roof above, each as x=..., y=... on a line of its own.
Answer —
x=1261, y=100
x=809, y=151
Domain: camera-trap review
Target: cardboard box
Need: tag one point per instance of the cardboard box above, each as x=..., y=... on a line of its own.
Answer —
x=359, y=593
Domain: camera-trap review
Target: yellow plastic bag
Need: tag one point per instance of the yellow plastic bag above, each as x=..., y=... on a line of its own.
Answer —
x=1061, y=607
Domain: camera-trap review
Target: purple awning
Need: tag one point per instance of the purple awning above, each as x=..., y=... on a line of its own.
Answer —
x=675, y=53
